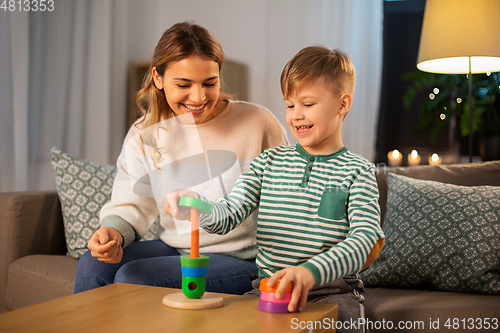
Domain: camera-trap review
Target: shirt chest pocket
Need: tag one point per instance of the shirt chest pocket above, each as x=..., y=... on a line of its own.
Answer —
x=333, y=204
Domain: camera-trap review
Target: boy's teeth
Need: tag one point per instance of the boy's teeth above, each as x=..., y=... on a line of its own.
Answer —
x=195, y=108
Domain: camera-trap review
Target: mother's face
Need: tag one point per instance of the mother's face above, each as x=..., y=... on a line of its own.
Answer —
x=191, y=85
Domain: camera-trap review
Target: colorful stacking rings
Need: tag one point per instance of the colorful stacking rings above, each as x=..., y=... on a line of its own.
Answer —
x=194, y=271
x=268, y=301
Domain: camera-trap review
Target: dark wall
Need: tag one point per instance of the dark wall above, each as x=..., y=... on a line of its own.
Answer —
x=402, y=25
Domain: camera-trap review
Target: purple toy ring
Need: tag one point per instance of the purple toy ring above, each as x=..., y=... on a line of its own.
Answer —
x=273, y=307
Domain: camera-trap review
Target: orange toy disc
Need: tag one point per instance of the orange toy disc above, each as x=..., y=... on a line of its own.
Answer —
x=263, y=286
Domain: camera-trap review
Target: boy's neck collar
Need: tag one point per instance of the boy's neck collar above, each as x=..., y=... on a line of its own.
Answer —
x=319, y=158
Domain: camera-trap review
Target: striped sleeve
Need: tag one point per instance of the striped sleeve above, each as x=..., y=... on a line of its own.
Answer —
x=363, y=213
x=229, y=212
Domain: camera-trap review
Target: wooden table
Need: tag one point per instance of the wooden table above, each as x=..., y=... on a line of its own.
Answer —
x=133, y=308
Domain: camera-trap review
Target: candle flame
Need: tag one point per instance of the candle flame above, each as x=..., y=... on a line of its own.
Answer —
x=395, y=153
x=414, y=154
x=435, y=157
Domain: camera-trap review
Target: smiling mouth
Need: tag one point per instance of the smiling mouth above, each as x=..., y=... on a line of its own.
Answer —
x=303, y=128
x=195, y=109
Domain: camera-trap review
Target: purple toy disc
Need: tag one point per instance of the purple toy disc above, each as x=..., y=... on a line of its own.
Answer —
x=273, y=307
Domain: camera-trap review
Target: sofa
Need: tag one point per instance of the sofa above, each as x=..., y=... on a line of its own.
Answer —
x=34, y=266
x=434, y=310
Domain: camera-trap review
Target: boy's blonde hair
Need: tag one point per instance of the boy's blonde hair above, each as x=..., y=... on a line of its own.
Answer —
x=314, y=62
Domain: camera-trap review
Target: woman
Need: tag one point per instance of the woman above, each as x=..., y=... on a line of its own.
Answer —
x=190, y=136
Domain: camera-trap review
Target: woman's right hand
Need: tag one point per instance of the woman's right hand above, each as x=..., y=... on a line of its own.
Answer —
x=106, y=245
x=172, y=204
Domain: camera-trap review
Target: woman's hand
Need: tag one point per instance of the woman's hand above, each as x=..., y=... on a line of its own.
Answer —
x=303, y=281
x=106, y=245
x=172, y=204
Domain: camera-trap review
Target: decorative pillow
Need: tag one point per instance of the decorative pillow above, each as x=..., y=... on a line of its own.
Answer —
x=83, y=188
x=440, y=237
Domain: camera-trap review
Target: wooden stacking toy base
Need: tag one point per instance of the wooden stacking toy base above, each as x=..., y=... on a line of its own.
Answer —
x=179, y=301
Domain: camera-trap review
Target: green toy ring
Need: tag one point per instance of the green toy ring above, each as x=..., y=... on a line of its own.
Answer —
x=194, y=287
x=196, y=204
x=201, y=261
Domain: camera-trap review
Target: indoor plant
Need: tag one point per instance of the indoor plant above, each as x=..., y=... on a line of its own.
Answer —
x=446, y=99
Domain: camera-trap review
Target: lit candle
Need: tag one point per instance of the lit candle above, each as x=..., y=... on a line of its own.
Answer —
x=413, y=158
x=395, y=158
x=434, y=159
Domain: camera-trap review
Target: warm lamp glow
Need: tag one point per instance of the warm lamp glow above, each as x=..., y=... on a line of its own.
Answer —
x=454, y=30
x=458, y=37
x=460, y=65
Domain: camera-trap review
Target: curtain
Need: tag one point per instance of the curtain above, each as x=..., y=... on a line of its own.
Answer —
x=55, y=89
x=354, y=26
x=63, y=74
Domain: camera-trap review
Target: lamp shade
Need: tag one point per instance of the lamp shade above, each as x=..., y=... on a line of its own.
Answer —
x=454, y=30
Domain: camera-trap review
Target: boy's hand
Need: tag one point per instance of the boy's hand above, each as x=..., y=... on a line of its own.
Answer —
x=106, y=245
x=303, y=281
x=172, y=204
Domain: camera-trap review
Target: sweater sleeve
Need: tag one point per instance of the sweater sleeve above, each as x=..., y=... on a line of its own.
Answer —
x=363, y=213
x=229, y=212
x=132, y=209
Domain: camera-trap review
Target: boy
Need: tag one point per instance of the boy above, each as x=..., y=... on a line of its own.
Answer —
x=318, y=223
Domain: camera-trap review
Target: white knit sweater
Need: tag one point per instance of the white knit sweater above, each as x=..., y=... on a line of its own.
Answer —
x=207, y=158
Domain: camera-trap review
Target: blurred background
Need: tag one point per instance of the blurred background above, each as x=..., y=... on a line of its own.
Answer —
x=67, y=75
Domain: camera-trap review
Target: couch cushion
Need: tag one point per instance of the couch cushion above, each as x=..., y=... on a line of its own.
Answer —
x=83, y=188
x=439, y=236
x=410, y=306
x=470, y=174
x=39, y=278
x=30, y=222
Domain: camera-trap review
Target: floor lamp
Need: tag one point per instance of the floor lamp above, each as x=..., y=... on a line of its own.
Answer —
x=460, y=37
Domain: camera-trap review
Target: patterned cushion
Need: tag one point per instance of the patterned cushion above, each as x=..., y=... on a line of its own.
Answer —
x=83, y=188
x=439, y=237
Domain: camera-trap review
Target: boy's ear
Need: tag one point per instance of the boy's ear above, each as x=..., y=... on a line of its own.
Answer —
x=345, y=104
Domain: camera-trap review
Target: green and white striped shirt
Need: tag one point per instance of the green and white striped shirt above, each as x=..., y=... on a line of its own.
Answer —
x=319, y=211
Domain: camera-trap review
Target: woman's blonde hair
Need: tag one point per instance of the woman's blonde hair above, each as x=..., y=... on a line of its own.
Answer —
x=179, y=42
x=314, y=62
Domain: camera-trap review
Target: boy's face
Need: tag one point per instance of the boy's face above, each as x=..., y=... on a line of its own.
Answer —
x=315, y=114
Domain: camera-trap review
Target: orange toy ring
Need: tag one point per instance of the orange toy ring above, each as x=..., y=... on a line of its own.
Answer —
x=263, y=286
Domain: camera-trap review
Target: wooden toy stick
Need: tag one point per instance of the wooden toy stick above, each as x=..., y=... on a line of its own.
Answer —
x=195, y=233
x=196, y=206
